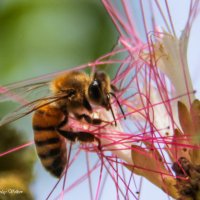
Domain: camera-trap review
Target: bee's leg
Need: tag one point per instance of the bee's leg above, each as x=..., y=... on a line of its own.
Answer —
x=87, y=105
x=99, y=143
x=80, y=136
x=68, y=134
x=114, y=88
x=88, y=119
x=88, y=137
x=64, y=121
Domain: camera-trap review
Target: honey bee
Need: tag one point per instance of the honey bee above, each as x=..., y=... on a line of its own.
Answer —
x=72, y=93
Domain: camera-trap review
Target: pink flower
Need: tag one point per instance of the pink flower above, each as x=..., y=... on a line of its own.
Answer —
x=158, y=140
x=158, y=93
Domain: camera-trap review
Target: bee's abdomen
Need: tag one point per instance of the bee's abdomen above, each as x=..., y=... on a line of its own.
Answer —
x=50, y=146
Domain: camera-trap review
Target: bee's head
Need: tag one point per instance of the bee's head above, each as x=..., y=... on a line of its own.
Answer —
x=99, y=90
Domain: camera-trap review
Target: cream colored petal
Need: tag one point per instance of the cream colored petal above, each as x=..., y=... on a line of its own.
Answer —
x=159, y=113
x=171, y=53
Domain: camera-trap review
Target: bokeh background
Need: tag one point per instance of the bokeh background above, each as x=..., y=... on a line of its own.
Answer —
x=39, y=37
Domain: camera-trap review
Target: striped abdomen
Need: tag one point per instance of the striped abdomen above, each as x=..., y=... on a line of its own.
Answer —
x=50, y=146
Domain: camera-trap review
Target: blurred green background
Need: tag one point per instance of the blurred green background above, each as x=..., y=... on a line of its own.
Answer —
x=39, y=37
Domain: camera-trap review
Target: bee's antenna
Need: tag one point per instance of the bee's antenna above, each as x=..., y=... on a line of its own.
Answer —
x=108, y=97
x=118, y=104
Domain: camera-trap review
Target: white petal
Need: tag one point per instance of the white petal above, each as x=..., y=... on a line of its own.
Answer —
x=172, y=54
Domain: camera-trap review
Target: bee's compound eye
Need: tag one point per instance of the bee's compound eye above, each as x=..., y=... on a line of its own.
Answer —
x=95, y=91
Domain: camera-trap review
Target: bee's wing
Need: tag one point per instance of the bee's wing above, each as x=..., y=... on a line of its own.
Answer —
x=24, y=94
x=27, y=108
x=30, y=107
x=23, y=90
x=29, y=94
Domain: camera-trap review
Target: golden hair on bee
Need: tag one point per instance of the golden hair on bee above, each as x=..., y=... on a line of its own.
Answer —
x=80, y=92
x=77, y=80
x=75, y=94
